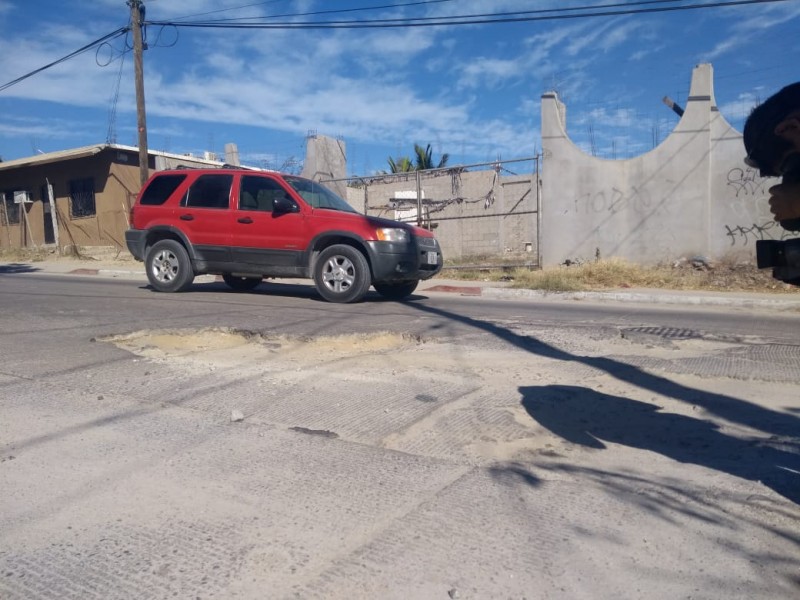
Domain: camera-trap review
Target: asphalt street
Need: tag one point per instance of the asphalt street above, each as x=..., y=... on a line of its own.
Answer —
x=473, y=442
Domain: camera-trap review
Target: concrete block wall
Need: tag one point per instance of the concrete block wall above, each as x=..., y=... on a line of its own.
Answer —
x=692, y=195
x=475, y=213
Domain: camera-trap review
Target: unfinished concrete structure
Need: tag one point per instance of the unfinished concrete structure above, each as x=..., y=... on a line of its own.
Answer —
x=690, y=196
x=326, y=159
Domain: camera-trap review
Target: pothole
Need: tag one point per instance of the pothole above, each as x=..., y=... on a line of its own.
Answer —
x=159, y=344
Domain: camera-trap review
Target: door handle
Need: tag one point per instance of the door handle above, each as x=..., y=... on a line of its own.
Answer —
x=246, y=220
x=187, y=217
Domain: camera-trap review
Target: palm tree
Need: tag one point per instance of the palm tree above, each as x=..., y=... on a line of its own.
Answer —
x=425, y=158
x=423, y=162
x=402, y=164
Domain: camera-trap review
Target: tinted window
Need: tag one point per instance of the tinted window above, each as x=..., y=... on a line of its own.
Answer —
x=209, y=191
x=317, y=195
x=259, y=193
x=160, y=189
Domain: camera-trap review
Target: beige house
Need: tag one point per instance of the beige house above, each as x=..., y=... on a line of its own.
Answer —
x=75, y=198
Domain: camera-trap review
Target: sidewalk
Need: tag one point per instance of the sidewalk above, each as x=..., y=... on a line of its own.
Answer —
x=127, y=268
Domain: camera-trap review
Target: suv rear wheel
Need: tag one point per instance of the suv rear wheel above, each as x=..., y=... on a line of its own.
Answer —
x=241, y=284
x=341, y=274
x=396, y=291
x=168, y=266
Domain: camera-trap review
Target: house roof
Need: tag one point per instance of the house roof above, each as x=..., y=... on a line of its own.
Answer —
x=51, y=157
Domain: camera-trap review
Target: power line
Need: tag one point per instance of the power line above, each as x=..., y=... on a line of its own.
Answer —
x=315, y=13
x=477, y=19
x=89, y=46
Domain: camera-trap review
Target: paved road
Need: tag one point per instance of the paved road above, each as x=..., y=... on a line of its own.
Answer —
x=220, y=445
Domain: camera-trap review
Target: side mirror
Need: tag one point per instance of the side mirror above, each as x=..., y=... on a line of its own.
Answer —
x=285, y=205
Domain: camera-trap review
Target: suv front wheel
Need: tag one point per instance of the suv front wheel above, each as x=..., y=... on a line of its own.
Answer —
x=341, y=274
x=168, y=266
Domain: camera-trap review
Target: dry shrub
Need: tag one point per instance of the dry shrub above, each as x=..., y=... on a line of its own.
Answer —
x=617, y=273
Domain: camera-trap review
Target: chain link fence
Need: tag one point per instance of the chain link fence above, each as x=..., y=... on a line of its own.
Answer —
x=484, y=214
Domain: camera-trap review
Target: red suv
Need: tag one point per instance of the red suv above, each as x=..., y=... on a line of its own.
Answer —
x=247, y=225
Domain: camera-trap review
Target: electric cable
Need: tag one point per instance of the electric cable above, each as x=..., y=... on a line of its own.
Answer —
x=485, y=19
x=89, y=46
x=320, y=12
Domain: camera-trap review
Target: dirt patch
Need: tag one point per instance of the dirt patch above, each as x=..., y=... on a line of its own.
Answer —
x=164, y=344
x=442, y=398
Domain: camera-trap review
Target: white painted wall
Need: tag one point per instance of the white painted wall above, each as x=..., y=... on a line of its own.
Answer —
x=692, y=195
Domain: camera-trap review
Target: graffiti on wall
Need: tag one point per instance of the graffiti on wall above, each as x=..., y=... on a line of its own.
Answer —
x=769, y=230
x=636, y=200
x=750, y=203
x=747, y=182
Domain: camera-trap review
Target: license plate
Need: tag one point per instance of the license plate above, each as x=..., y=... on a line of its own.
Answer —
x=433, y=258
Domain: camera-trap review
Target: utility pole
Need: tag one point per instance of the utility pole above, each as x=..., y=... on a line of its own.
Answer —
x=137, y=14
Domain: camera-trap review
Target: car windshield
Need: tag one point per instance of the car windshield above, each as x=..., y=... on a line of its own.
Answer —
x=317, y=195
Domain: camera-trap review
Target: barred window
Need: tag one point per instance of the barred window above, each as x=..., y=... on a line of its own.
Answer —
x=9, y=215
x=81, y=198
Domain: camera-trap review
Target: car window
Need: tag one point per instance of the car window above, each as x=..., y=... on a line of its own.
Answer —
x=259, y=193
x=209, y=191
x=317, y=195
x=160, y=189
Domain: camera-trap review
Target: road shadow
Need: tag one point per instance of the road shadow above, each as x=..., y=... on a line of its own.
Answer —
x=285, y=290
x=14, y=268
x=591, y=419
x=734, y=410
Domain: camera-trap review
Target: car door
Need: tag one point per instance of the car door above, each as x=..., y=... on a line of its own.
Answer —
x=205, y=216
x=272, y=240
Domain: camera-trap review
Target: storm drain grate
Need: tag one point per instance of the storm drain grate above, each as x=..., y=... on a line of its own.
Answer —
x=670, y=333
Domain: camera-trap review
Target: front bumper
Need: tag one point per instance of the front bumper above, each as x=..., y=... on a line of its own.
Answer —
x=392, y=261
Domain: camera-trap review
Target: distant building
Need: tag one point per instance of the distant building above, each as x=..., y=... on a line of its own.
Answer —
x=93, y=188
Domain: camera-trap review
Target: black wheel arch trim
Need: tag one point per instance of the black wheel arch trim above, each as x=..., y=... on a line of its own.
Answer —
x=153, y=236
x=336, y=236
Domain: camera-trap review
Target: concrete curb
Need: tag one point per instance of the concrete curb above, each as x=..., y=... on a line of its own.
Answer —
x=491, y=289
x=650, y=297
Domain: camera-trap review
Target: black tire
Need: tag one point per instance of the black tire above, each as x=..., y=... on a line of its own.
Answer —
x=396, y=291
x=241, y=284
x=168, y=266
x=341, y=274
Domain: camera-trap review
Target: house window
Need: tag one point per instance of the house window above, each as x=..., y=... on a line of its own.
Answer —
x=10, y=212
x=81, y=198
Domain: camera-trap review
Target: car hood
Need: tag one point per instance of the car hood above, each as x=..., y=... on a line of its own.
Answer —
x=378, y=222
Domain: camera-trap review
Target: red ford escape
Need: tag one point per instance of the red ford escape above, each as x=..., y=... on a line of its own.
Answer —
x=248, y=225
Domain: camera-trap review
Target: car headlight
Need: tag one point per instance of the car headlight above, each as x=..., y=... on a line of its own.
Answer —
x=392, y=234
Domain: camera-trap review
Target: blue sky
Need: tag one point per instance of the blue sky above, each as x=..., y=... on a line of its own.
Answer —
x=472, y=91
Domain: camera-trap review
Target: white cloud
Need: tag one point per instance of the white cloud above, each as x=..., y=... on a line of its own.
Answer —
x=490, y=71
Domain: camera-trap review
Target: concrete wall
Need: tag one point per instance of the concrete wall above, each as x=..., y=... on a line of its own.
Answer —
x=473, y=213
x=692, y=195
